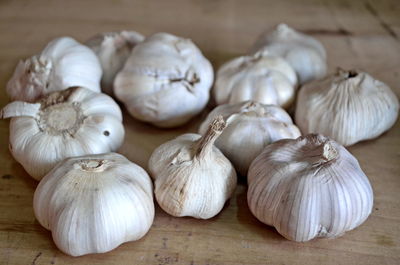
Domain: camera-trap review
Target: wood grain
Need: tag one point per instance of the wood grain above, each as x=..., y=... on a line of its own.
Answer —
x=356, y=34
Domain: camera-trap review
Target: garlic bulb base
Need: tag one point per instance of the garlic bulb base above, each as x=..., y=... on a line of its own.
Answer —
x=58, y=116
x=62, y=118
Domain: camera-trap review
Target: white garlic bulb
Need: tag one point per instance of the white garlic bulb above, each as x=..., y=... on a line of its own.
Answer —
x=63, y=63
x=192, y=177
x=305, y=54
x=250, y=127
x=348, y=107
x=67, y=123
x=261, y=77
x=92, y=204
x=309, y=187
x=165, y=81
x=112, y=49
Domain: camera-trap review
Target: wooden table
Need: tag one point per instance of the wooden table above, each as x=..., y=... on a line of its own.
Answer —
x=356, y=34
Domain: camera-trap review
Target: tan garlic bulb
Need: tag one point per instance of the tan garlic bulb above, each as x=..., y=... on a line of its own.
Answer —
x=191, y=176
x=349, y=106
x=67, y=123
x=250, y=127
x=309, y=187
x=165, y=81
x=63, y=63
x=305, y=54
x=261, y=77
x=92, y=204
x=112, y=49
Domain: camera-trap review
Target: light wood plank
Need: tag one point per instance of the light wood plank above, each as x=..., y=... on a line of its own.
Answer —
x=354, y=36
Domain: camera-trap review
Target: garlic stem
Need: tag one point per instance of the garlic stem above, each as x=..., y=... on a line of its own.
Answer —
x=346, y=74
x=93, y=165
x=320, y=153
x=329, y=152
x=205, y=143
x=19, y=108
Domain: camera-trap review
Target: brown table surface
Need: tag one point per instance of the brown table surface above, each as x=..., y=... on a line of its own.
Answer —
x=356, y=34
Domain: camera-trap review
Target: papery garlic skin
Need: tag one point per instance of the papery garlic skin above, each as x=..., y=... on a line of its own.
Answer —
x=250, y=127
x=191, y=176
x=113, y=49
x=165, y=81
x=92, y=204
x=261, y=77
x=67, y=123
x=63, y=63
x=305, y=54
x=348, y=107
x=309, y=187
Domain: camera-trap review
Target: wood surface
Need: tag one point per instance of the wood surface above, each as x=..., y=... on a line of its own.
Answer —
x=356, y=34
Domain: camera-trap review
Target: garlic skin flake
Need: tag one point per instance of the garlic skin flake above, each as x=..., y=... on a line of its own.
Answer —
x=250, y=127
x=63, y=63
x=261, y=77
x=67, y=123
x=113, y=49
x=309, y=187
x=92, y=204
x=305, y=54
x=349, y=106
x=191, y=176
x=165, y=81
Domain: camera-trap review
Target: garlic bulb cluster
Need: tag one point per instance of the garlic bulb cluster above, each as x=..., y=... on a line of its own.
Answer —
x=261, y=77
x=250, y=127
x=112, y=49
x=191, y=176
x=305, y=54
x=67, y=123
x=92, y=204
x=63, y=63
x=165, y=81
x=348, y=107
x=309, y=187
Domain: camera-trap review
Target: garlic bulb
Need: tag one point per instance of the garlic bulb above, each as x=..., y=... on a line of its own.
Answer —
x=63, y=63
x=192, y=177
x=92, y=204
x=309, y=187
x=251, y=126
x=261, y=77
x=305, y=54
x=348, y=107
x=72, y=122
x=112, y=49
x=165, y=81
